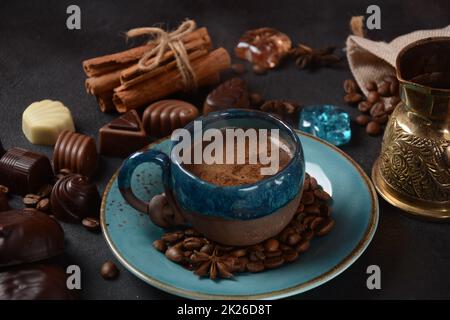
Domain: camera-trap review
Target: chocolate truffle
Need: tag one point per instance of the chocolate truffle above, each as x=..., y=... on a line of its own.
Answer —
x=230, y=94
x=74, y=198
x=35, y=282
x=76, y=152
x=164, y=116
x=27, y=236
x=24, y=171
x=122, y=136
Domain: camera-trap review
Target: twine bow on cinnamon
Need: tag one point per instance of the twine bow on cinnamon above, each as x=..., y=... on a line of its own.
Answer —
x=168, y=40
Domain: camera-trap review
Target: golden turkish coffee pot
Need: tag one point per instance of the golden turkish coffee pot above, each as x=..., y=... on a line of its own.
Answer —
x=413, y=169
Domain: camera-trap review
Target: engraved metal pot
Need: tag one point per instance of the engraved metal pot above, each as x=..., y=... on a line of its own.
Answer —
x=413, y=169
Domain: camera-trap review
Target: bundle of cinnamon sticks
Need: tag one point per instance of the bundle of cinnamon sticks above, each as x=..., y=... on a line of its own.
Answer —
x=119, y=84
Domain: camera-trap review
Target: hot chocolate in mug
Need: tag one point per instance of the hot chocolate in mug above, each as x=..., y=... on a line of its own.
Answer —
x=229, y=213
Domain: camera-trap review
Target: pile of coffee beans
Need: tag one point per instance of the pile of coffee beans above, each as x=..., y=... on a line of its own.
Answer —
x=207, y=258
x=375, y=109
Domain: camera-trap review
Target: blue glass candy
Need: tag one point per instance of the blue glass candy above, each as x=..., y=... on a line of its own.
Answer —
x=327, y=122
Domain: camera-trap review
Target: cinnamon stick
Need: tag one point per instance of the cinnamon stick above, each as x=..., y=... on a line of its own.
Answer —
x=103, y=83
x=206, y=69
x=105, y=101
x=120, y=60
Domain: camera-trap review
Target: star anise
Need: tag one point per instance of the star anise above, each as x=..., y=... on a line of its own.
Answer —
x=213, y=265
x=309, y=58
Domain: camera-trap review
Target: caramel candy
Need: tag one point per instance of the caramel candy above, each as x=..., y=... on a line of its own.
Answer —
x=35, y=282
x=76, y=152
x=264, y=47
x=74, y=198
x=230, y=94
x=122, y=136
x=164, y=116
x=43, y=121
x=24, y=171
x=27, y=236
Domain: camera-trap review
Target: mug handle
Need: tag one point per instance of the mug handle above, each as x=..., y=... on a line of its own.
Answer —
x=162, y=218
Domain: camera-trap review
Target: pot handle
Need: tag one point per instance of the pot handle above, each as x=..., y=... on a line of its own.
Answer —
x=164, y=212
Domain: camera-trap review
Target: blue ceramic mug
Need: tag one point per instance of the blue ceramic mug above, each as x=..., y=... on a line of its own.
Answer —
x=231, y=215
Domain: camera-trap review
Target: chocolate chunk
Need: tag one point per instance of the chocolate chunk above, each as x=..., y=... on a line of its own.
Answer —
x=28, y=235
x=230, y=94
x=76, y=152
x=74, y=198
x=24, y=171
x=122, y=136
x=164, y=116
x=35, y=282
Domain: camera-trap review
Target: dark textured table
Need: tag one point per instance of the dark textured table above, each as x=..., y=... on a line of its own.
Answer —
x=40, y=58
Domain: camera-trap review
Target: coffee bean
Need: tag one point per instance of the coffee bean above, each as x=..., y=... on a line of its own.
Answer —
x=350, y=86
x=109, y=271
x=255, y=266
x=284, y=247
x=316, y=224
x=192, y=243
x=239, y=253
x=306, y=185
x=273, y=263
x=377, y=109
x=160, y=245
x=313, y=183
x=362, y=119
x=326, y=227
x=307, y=197
x=373, y=97
x=307, y=235
x=259, y=70
x=322, y=195
x=394, y=88
x=256, y=99
x=172, y=236
x=238, y=68
x=371, y=86
x=364, y=106
x=4, y=189
x=293, y=239
x=312, y=209
x=373, y=128
x=352, y=98
x=308, y=219
x=208, y=248
x=240, y=264
x=302, y=246
x=273, y=254
x=384, y=89
x=325, y=210
x=290, y=255
x=260, y=255
x=91, y=224
x=43, y=205
x=175, y=254
x=31, y=200
x=189, y=232
x=381, y=119
x=256, y=247
x=271, y=245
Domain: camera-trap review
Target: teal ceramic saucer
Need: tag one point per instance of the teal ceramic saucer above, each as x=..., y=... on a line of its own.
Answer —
x=355, y=209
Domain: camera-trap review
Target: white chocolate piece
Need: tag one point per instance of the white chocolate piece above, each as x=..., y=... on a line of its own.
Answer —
x=43, y=121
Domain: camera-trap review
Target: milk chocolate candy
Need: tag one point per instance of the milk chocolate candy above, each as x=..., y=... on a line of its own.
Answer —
x=76, y=152
x=164, y=116
x=43, y=121
x=122, y=136
x=24, y=171
x=230, y=94
x=74, y=198
x=27, y=236
x=35, y=282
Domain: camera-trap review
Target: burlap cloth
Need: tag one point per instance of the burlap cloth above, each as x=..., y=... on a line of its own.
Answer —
x=373, y=60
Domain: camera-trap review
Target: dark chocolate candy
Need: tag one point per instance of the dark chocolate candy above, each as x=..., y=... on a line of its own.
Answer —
x=24, y=171
x=164, y=116
x=76, y=152
x=123, y=136
x=230, y=94
x=28, y=235
x=35, y=282
x=74, y=198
